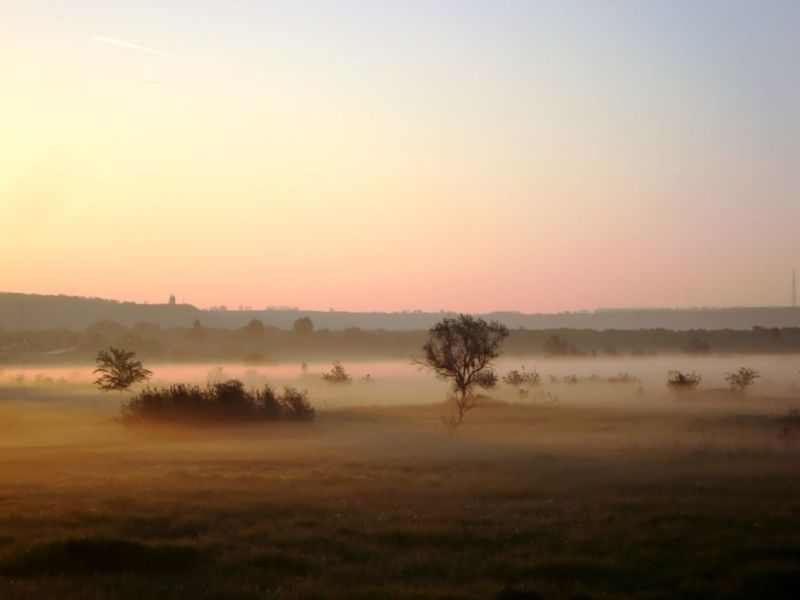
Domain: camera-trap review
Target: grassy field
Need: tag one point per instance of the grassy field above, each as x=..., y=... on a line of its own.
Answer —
x=547, y=500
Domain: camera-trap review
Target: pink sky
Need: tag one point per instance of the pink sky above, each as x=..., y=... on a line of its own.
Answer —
x=359, y=157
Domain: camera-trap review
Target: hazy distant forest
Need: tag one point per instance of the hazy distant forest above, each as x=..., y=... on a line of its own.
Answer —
x=63, y=329
x=257, y=343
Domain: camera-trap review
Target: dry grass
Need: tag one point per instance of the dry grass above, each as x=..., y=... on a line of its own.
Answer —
x=538, y=501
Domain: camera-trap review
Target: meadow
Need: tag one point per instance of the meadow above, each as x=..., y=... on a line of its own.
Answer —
x=574, y=490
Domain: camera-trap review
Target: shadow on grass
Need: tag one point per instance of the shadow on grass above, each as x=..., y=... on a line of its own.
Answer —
x=510, y=593
x=283, y=563
x=775, y=582
x=102, y=555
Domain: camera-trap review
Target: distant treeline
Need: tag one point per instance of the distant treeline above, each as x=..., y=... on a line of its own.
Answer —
x=32, y=311
x=258, y=343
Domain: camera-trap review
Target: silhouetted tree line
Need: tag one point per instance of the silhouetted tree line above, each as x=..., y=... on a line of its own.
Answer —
x=260, y=343
x=35, y=311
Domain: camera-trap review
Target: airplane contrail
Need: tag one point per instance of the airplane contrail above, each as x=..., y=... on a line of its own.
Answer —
x=121, y=44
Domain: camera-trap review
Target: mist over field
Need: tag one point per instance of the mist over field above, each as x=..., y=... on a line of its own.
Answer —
x=579, y=485
x=365, y=300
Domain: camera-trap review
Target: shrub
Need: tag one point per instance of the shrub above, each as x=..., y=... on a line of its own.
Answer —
x=296, y=406
x=227, y=401
x=678, y=381
x=742, y=378
x=623, y=378
x=523, y=377
x=337, y=374
x=514, y=377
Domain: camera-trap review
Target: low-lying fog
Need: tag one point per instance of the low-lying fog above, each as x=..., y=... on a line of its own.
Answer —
x=401, y=382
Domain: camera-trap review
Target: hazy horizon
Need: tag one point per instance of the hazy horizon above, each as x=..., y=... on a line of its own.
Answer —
x=293, y=308
x=468, y=156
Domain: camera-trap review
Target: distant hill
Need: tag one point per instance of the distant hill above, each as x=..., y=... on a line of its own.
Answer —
x=31, y=311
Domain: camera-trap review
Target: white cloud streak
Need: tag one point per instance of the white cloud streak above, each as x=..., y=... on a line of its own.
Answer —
x=121, y=44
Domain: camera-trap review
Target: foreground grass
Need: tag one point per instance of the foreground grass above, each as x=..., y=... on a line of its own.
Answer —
x=535, y=502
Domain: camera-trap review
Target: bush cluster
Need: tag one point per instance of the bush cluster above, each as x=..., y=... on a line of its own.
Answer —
x=679, y=381
x=623, y=377
x=523, y=377
x=221, y=402
x=337, y=374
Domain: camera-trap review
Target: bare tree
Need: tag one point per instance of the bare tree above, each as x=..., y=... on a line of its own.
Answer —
x=462, y=349
x=118, y=370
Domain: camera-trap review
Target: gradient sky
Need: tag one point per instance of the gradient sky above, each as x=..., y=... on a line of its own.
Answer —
x=535, y=156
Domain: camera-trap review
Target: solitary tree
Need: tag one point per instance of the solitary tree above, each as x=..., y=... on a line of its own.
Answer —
x=462, y=349
x=118, y=370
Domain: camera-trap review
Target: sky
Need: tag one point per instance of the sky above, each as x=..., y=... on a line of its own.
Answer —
x=383, y=155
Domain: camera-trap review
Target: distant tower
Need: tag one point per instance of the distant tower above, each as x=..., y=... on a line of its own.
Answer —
x=794, y=289
x=172, y=300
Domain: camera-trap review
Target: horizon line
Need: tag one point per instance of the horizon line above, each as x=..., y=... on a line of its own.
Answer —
x=280, y=308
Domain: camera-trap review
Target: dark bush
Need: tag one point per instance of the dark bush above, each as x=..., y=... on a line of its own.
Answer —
x=228, y=401
x=518, y=378
x=102, y=555
x=624, y=377
x=337, y=374
x=742, y=378
x=678, y=381
x=295, y=405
